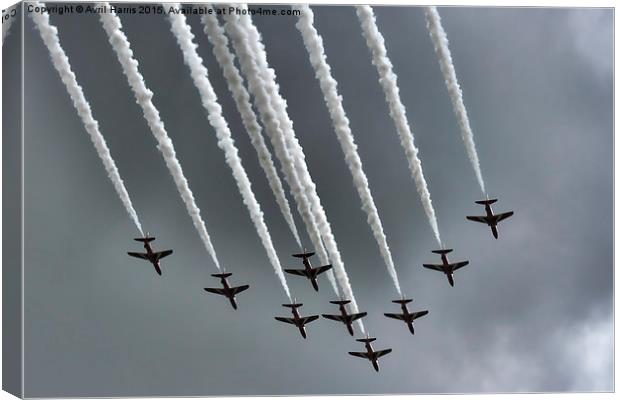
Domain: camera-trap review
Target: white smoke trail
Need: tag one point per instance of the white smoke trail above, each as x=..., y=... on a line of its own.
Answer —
x=329, y=87
x=226, y=60
x=49, y=34
x=269, y=79
x=440, y=41
x=273, y=129
x=388, y=80
x=199, y=73
x=122, y=48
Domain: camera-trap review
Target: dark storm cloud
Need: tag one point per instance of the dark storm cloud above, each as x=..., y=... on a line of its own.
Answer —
x=532, y=311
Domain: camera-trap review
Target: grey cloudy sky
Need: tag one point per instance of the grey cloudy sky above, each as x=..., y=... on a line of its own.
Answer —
x=532, y=311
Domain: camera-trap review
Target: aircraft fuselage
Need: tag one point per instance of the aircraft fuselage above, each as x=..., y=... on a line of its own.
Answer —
x=345, y=315
x=492, y=220
x=229, y=294
x=311, y=273
x=151, y=256
x=447, y=269
x=298, y=322
x=372, y=356
x=408, y=317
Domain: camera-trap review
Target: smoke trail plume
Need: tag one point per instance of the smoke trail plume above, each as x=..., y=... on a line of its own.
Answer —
x=120, y=44
x=269, y=79
x=388, y=80
x=199, y=73
x=329, y=87
x=226, y=60
x=49, y=34
x=274, y=131
x=440, y=41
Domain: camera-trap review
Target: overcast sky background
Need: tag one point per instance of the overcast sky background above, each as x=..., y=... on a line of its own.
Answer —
x=532, y=311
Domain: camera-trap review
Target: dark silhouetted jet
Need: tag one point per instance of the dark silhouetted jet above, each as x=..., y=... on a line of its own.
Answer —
x=344, y=317
x=150, y=255
x=229, y=292
x=445, y=265
x=308, y=271
x=297, y=320
x=370, y=354
x=406, y=315
x=490, y=219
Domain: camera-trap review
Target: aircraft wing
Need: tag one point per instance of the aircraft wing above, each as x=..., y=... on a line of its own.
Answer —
x=287, y=320
x=353, y=317
x=419, y=314
x=320, y=270
x=143, y=256
x=338, y=318
x=503, y=216
x=162, y=254
x=381, y=353
x=216, y=291
x=308, y=319
x=395, y=316
x=300, y=272
x=459, y=265
x=483, y=220
x=348, y=318
x=359, y=354
x=436, y=267
x=239, y=289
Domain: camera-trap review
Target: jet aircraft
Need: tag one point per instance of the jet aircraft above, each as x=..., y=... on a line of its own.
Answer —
x=150, y=255
x=297, y=320
x=308, y=271
x=370, y=354
x=226, y=290
x=446, y=267
x=406, y=315
x=490, y=219
x=344, y=316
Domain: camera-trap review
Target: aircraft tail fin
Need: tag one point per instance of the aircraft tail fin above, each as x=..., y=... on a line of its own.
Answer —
x=144, y=239
x=340, y=302
x=366, y=340
x=443, y=251
x=486, y=202
x=294, y=305
x=222, y=275
x=403, y=301
x=304, y=255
